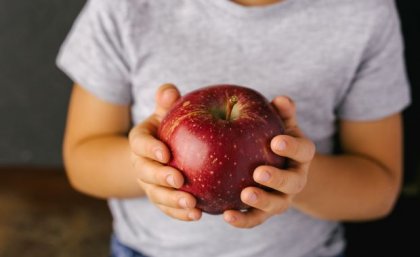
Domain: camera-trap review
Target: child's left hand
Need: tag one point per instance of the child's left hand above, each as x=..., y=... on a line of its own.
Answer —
x=286, y=182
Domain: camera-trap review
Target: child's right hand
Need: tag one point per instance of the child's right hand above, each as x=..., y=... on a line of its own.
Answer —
x=150, y=156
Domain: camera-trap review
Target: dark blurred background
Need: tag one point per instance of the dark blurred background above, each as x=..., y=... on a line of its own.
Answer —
x=40, y=215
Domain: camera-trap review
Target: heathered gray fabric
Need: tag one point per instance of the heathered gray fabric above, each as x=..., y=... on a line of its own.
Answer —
x=338, y=59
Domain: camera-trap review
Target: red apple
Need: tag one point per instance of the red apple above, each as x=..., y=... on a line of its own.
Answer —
x=217, y=136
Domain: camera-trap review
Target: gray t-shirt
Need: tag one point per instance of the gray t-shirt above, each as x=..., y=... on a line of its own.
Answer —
x=336, y=59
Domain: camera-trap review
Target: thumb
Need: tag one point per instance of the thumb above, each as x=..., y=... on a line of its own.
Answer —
x=165, y=97
x=286, y=108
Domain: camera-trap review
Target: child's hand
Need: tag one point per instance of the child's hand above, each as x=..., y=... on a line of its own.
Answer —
x=285, y=182
x=149, y=156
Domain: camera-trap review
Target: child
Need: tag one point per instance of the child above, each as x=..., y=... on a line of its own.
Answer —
x=338, y=62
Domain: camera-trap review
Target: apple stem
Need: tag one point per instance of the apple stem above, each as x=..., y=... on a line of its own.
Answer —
x=230, y=103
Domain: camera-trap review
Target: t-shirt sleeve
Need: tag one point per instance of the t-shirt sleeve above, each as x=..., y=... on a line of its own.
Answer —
x=380, y=86
x=93, y=55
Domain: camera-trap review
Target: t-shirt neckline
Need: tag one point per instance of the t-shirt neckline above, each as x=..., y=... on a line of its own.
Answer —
x=241, y=11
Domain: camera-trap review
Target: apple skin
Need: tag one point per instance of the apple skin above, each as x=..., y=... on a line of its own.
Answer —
x=217, y=156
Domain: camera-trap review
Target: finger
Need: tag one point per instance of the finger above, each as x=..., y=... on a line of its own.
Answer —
x=165, y=97
x=144, y=144
x=151, y=172
x=287, y=111
x=270, y=202
x=285, y=181
x=181, y=214
x=169, y=197
x=300, y=150
x=249, y=219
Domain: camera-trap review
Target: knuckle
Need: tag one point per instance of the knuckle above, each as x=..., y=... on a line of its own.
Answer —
x=144, y=186
x=282, y=180
x=265, y=204
x=138, y=164
x=152, y=193
x=281, y=207
x=269, y=205
x=177, y=214
x=308, y=150
x=168, y=211
x=262, y=219
x=292, y=129
x=249, y=223
x=133, y=159
x=297, y=187
x=293, y=146
x=291, y=102
x=312, y=149
x=296, y=183
x=166, y=199
x=145, y=172
x=132, y=135
x=253, y=220
x=300, y=184
x=159, y=177
x=134, y=141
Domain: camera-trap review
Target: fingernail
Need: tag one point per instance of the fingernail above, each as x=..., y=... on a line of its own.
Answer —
x=169, y=94
x=230, y=218
x=183, y=203
x=159, y=154
x=192, y=216
x=281, y=145
x=264, y=176
x=252, y=198
x=138, y=181
x=170, y=180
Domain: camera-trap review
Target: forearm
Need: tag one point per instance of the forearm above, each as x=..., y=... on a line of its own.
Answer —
x=349, y=188
x=101, y=167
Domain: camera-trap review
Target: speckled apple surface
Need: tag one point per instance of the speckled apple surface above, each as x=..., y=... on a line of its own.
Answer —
x=218, y=150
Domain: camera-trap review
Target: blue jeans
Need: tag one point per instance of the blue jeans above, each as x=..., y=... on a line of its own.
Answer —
x=120, y=250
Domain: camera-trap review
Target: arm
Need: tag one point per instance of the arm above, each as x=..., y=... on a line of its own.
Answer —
x=362, y=183
x=96, y=150
x=103, y=161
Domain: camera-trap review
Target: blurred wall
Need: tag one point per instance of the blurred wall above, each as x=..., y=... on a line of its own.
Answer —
x=410, y=21
x=34, y=93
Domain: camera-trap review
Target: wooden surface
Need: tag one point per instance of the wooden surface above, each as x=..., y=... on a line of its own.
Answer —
x=42, y=216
